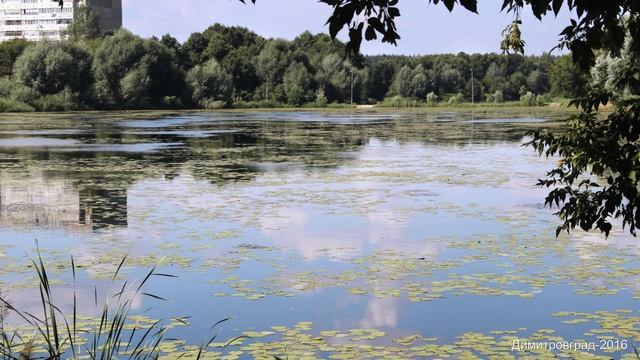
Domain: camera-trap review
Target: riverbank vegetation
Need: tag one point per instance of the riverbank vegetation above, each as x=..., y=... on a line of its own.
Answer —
x=115, y=332
x=225, y=67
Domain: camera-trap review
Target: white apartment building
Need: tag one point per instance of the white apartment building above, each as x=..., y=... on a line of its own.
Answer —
x=45, y=19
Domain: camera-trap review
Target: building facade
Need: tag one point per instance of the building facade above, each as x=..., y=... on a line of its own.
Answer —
x=45, y=19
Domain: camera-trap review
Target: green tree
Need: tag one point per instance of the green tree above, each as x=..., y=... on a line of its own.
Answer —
x=379, y=79
x=298, y=84
x=617, y=77
x=599, y=24
x=449, y=78
x=333, y=77
x=124, y=61
x=596, y=178
x=494, y=78
x=135, y=86
x=193, y=49
x=272, y=63
x=567, y=79
x=85, y=24
x=210, y=84
x=537, y=82
x=402, y=84
x=413, y=83
x=52, y=67
x=421, y=84
x=177, y=50
x=9, y=52
x=514, y=85
x=239, y=64
x=339, y=77
x=221, y=40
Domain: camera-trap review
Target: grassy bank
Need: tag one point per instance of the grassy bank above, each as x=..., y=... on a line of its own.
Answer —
x=338, y=108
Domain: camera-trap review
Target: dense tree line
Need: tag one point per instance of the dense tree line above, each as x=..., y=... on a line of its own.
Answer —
x=232, y=66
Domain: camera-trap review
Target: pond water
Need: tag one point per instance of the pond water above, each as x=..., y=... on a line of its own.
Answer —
x=342, y=235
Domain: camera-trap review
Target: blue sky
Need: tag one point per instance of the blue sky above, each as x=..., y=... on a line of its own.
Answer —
x=425, y=28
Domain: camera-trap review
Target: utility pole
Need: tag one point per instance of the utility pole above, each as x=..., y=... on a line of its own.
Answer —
x=351, y=72
x=473, y=93
x=351, y=86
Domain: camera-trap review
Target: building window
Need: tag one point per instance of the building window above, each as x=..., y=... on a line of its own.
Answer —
x=48, y=33
x=13, y=33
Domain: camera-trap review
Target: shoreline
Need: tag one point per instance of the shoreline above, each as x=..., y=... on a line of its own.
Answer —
x=160, y=113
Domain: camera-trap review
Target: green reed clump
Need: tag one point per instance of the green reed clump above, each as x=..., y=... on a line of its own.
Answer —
x=57, y=335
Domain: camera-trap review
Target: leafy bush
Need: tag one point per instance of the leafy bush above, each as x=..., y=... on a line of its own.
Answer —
x=6, y=85
x=172, y=102
x=213, y=104
x=498, y=97
x=12, y=105
x=16, y=97
x=65, y=100
x=24, y=94
x=432, y=99
x=321, y=98
x=528, y=99
x=456, y=99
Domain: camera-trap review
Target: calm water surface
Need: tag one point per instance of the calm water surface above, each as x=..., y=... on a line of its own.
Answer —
x=322, y=234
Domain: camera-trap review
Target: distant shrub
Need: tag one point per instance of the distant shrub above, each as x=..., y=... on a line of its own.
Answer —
x=268, y=104
x=542, y=100
x=172, y=102
x=15, y=97
x=456, y=99
x=6, y=85
x=432, y=99
x=394, y=101
x=321, y=98
x=24, y=94
x=65, y=100
x=523, y=91
x=528, y=99
x=498, y=97
x=12, y=105
x=398, y=101
x=213, y=104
